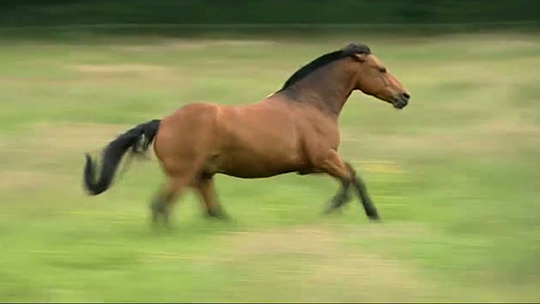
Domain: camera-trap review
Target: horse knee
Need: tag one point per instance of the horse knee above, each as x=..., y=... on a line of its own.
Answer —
x=350, y=168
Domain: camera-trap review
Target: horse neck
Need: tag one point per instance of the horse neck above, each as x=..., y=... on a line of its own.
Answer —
x=327, y=88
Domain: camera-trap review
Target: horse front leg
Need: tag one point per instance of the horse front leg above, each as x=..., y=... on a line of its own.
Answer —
x=332, y=164
x=341, y=198
x=361, y=191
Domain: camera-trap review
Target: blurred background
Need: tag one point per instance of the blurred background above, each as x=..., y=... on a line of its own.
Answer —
x=454, y=175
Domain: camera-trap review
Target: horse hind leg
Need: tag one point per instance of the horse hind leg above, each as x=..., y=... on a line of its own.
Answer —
x=161, y=202
x=170, y=192
x=205, y=187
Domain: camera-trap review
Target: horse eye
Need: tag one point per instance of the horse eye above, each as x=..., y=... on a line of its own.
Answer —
x=382, y=70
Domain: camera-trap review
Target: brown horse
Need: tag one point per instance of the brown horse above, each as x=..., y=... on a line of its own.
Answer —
x=293, y=130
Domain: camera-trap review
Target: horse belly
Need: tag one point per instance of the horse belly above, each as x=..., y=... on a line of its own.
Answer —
x=255, y=167
x=253, y=157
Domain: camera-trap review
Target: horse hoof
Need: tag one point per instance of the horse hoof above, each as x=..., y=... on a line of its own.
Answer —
x=328, y=211
x=375, y=219
x=220, y=215
x=333, y=207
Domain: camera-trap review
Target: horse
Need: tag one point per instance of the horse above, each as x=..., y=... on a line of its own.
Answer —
x=294, y=130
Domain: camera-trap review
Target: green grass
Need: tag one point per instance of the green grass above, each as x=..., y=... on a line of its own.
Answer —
x=454, y=175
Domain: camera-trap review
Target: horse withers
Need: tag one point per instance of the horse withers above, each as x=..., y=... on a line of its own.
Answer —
x=293, y=130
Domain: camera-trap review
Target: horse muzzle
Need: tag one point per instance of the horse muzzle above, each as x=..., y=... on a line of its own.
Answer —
x=401, y=101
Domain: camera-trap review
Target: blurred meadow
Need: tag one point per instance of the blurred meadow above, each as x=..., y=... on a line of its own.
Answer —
x=454, y=175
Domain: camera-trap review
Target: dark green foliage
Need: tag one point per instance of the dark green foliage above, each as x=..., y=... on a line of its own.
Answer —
x=33, y=12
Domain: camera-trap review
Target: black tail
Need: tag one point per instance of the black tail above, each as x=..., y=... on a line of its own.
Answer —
x=138, y=139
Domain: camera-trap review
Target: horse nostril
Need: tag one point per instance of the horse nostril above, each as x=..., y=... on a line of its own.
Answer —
x=406, y=96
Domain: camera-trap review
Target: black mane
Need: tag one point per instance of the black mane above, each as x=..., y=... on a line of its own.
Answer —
x=324, y=60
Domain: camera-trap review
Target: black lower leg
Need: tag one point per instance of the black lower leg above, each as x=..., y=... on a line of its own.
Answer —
x=341, y=198
x=369, y=207
x=365, y=199
x=159, y=209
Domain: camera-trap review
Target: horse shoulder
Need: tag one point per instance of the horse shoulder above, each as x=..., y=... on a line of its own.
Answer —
x=318, y=132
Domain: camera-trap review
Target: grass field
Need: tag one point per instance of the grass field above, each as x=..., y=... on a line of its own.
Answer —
x=454, y=176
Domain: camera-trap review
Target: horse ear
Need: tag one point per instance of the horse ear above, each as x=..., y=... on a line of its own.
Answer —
x=359, y=57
